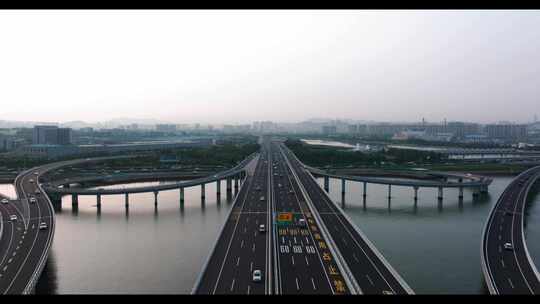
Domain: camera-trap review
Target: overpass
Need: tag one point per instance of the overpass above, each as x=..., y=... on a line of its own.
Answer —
x=506, y=263
x=478, y=183
x=237, y=173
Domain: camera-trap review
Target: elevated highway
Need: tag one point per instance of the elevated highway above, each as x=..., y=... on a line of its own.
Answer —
x=506, y=262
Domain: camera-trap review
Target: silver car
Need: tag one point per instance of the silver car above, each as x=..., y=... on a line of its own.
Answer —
x=257, y=276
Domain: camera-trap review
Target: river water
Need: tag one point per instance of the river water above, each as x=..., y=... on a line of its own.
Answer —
x=435, y=248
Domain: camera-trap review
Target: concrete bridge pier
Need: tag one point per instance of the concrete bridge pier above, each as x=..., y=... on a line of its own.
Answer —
x=229, y=186
x=181, y=197
x=155, y=197
x=202, y=192
x=389, y=192
x=415, y=194
x=326, y=183
x=365, y=191
x=483, y=189
x=74, y=200
x=476, y=192
x=98, y=201
x=440, y=195
x=236, y=184
x=126, y=200
x=460, y=193
x=343, y=186
x=343, y=200
x=218, y=187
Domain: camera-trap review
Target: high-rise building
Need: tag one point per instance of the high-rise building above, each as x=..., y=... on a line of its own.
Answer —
x=64, y=136
x=51, y=135
x=506, y=131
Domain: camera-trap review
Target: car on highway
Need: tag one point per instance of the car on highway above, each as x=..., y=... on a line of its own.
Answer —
x=387, y=292
x=42, y=226
x=36, y=173
x=5, y=201
x=257, y=276
x=32, y=200
x=13, y=217
x=508, y=246
x=31, y=181
x=291, y=191
x=262, y=199
x=301, y=222
x=262, y=228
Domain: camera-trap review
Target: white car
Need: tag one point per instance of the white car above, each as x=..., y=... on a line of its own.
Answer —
x=387, y=292
x=31, y=181
x=508, y=246
x=5, y=201
x=32, y=200
x=257, y=276
x=42, y=226
x=13, y=217
x=262, y=228
x=302, y=222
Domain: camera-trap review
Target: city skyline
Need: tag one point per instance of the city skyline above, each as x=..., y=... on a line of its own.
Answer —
x=238, y=67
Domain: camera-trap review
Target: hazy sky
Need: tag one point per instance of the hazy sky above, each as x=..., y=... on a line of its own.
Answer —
x=241, y=66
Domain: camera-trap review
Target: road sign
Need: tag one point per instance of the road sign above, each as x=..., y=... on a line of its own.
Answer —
x=284, y=218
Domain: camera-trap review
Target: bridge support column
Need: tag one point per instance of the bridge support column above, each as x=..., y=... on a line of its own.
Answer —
x=202, y=192
x=484, y=189
x=126, y=200
x=155, y=197
x=236, y=184
x=415, y=193
x=476, y=192
x=218, y=187
x=460, y=193
x=98, y=201
x=440, y=195
x=365, y=191
x=326, y=183
x=182, y=197
x=389, y=192
x=343, y=186
x=229, y=185
x=74, y=200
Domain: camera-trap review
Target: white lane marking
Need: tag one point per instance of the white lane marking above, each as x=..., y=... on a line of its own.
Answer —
x=253, y=248
x=510, y=281
x=283, y=239
x=500, y=248
x=313, y=283
x=295, y=240
x=500, y=237
x=255, y=233
x=307, y=262
x=369, y=279
x=251, y=266
x=307, y=241
x=237, y=261
x=232, y=285
x=502, y=262
x=292, y=259
x=297, y=286
x=242, y=244
x=248, y=289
